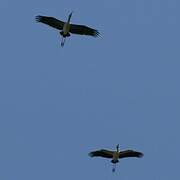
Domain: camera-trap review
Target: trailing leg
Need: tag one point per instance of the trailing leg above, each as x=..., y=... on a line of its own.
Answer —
x=63, y=41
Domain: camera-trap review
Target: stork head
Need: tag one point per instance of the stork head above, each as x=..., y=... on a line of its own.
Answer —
x=117, y=147
x=69, y=17
x=70, y=14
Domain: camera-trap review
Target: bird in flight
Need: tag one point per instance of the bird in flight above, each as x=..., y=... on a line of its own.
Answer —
x=115, y=155
x=66, y=28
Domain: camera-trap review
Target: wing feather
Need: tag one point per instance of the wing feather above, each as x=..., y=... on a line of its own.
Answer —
x=102, y=153
x=51, y=21
x=83, y=30
x=130, y=153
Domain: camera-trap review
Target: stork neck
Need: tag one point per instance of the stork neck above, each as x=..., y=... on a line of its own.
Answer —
x=117, y=148
x=69, y=18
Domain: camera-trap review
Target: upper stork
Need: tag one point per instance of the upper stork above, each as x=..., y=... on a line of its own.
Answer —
x=66, y=27
x=115, y=155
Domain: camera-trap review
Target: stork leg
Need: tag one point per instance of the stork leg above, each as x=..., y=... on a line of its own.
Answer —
x=63, y=41
x=114, y=167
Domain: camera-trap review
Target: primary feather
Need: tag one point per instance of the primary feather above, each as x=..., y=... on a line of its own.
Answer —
x=83, y=30
x=130, y=153
x=51, y=21
x=101, y=153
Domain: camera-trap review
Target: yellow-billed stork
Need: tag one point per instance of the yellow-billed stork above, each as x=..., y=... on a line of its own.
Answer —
x=115, y=155
x=66, y=27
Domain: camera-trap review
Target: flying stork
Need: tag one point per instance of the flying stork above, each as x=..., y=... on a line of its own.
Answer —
x=115, y=155
x=66, y=27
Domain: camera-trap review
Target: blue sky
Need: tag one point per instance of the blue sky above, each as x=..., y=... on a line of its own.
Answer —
x=57, y=104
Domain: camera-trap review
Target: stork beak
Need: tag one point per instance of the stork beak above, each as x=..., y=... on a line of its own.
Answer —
x=117, y=147
x=70, y=14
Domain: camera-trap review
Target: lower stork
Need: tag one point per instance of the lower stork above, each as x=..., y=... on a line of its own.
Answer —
x=115, y=155
x=66, y=27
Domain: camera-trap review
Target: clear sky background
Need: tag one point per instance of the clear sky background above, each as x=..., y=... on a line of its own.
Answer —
x=58, y=104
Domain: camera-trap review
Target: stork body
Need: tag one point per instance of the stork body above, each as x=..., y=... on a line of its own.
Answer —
x=115, y=155
x=66, y=27
x=65, y=32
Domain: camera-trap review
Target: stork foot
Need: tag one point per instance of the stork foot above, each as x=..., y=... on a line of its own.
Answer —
x=62, y=44
x=114, y=168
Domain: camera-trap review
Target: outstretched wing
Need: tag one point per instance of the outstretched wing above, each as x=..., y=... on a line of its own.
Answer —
x=51, y=21
x=102, y=153
x=83, y=30
x=130, y=153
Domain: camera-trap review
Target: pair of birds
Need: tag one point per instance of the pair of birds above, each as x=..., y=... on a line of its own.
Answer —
x=66, y=27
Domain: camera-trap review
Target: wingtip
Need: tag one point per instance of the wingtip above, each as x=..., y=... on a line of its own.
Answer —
x=90, y=154
x=97, y=33
x=38, y=18
x=140, y=155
